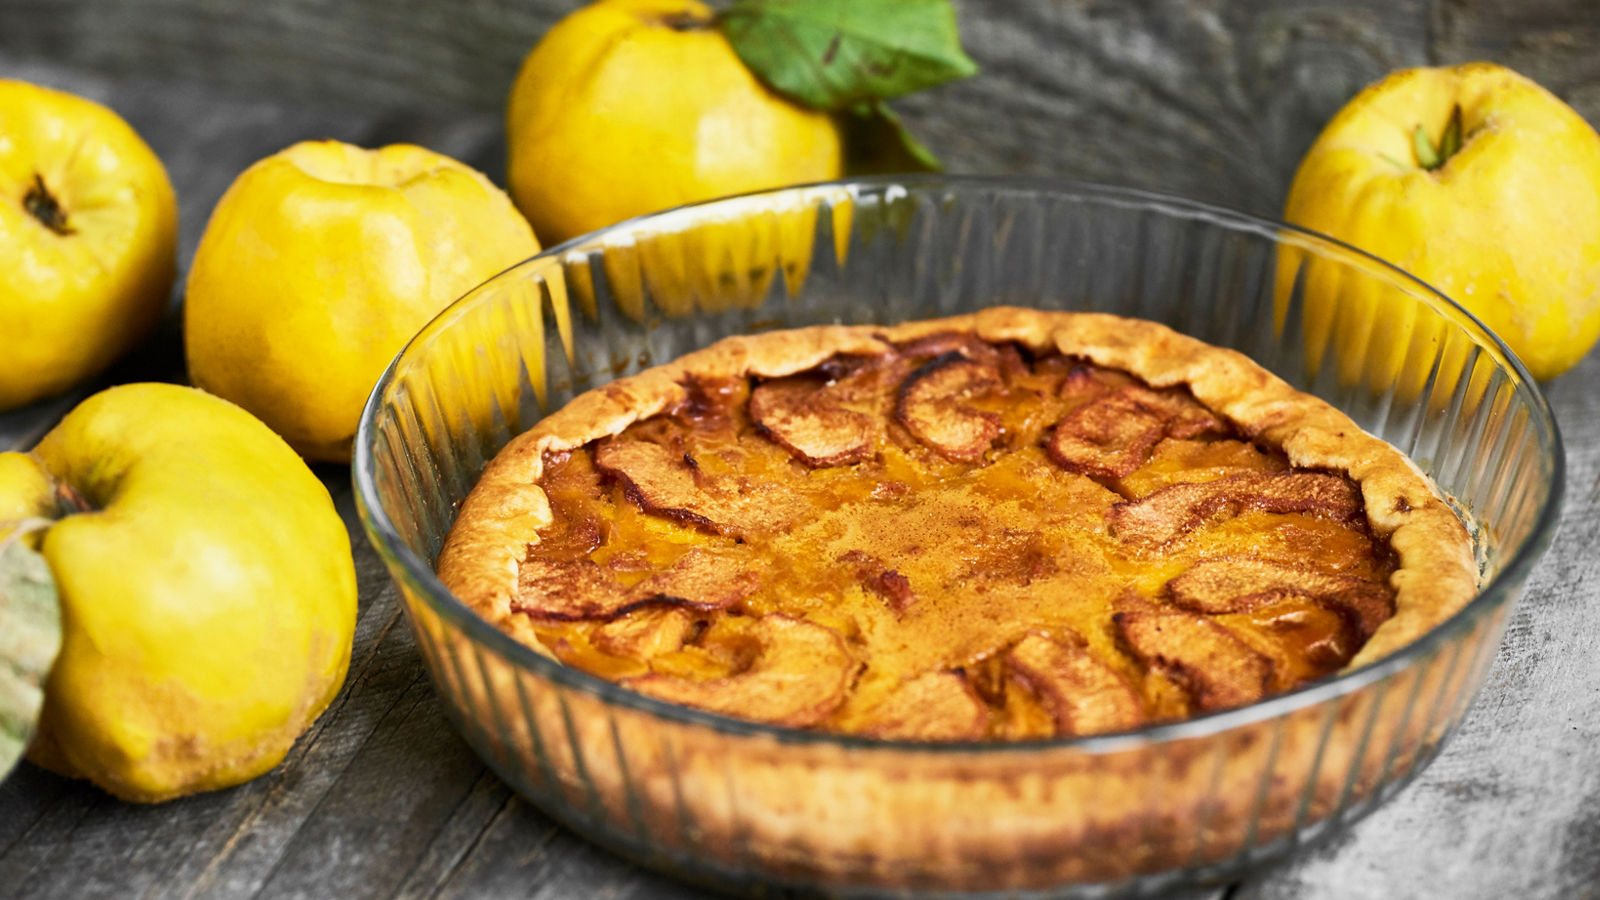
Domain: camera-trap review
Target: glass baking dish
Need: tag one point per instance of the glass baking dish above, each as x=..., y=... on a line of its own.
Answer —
x=741, y=805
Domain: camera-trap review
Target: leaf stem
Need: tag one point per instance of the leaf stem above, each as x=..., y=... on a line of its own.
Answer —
x=1430, y=157
x=1450, y=144
x=684, y=21
x=21, y=528
x=1427, y=157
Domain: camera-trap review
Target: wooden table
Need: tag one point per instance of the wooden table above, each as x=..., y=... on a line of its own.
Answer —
x=1216, y=100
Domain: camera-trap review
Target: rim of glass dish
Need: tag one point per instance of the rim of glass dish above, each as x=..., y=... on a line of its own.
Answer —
x=389, y=544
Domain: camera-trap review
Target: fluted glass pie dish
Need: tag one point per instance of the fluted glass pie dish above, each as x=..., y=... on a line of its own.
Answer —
x=738, y=804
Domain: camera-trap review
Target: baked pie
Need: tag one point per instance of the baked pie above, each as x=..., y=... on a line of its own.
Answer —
x=1002, y=526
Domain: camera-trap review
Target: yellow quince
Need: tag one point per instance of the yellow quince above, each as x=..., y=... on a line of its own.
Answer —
x=631, y=106
x=1479, y=182
x=208, y=596
x=317, y=266
x=88, y=240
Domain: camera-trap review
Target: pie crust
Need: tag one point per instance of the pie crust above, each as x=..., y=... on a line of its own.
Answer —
x=488, y=564
x=844, y=814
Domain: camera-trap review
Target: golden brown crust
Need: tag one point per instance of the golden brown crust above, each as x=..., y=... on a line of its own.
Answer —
x=1436, y=574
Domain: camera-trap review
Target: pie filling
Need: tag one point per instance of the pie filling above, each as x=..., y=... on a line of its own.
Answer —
x=954, y=540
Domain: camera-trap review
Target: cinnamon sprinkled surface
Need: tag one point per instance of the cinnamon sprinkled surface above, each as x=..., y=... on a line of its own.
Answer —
x=953, y=540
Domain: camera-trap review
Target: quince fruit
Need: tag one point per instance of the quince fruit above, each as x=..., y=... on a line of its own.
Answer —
x=320, y=263
x=208, y=596
x=88, y=238
x=631, y=106
x=1479, y=182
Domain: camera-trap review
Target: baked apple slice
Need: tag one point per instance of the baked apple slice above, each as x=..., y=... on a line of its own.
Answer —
x=659, y=481
x=568, y=589
x=934, y=706
x=1113, y=434
x=1231, y=584
x=804, y=418
x=1216, y=668
x=1083, y=694
x=645, y=633
x=583, y=589
x=949, y=343
x=1108, y=437
x=1164, y=517
x=669, y=484
x=930, y=406
x=1181, y=415
x=798, y=675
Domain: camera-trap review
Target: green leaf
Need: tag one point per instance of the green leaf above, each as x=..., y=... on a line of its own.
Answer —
x=30, y=638
x=877, y=142
x=836, y=54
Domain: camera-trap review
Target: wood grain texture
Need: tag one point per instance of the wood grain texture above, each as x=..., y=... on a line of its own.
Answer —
x=1214, y=99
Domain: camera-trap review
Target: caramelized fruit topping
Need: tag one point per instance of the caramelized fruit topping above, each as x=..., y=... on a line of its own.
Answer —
x=1232, y=584
x=796, y=673
x=930, y=406
x=933, y=706
x=952, y=540
x=1158, y=521
x=805, y=419
x=1217, y=668
x=1083, y=694
x=1112, y=435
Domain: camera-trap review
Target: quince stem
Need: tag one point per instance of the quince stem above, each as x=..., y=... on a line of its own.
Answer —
x=42, y=205
x=1430, y=157
x=686, y=21
x=70, y=501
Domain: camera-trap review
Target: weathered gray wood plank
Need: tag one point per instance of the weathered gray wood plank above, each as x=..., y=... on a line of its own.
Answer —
x=1213, y=100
